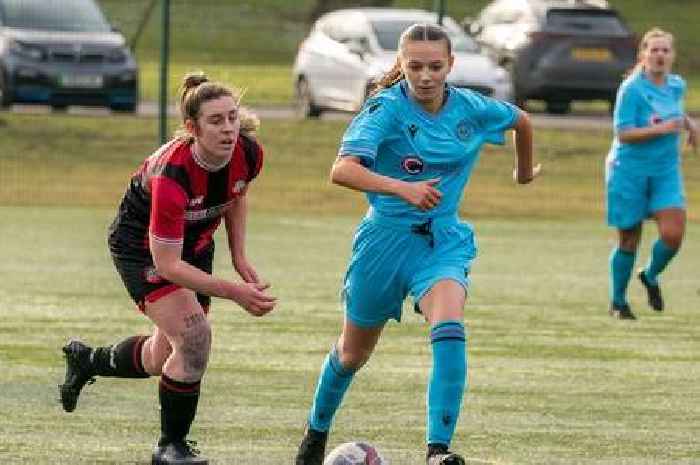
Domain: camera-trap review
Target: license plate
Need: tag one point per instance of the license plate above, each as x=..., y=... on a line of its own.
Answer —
x=591, y=54
x=83, y=81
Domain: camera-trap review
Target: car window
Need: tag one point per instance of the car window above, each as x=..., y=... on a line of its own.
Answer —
x=53, y=15
x=583, y=22
x=388, y=33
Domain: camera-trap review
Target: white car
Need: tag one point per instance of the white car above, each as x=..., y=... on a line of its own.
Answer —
x=347, y=49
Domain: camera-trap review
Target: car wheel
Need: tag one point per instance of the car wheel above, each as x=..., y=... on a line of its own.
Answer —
x=306, y=108
x=558, y=107
x=5, y=97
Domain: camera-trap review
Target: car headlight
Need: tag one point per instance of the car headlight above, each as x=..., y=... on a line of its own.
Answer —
x=117, y=55
x=32, y=52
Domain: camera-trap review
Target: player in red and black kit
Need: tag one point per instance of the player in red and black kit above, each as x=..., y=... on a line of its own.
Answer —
x=161, y=243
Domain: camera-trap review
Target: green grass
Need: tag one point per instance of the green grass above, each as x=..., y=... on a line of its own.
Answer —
x=552, y=378
x=89, y=160
x=253, y=44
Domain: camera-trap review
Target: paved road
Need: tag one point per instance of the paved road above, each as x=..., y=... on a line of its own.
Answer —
x=579, y=121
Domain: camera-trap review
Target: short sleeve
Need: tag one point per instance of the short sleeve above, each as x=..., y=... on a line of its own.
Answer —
x=495, y=117
x=368, y=129
x=168, y=202
x=626, y=108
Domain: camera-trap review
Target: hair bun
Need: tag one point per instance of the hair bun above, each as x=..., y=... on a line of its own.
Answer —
x=192, y=80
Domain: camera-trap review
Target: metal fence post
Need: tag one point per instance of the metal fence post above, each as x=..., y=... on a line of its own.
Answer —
x=164, y=57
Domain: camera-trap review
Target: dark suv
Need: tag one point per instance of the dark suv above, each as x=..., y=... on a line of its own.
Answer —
x=557, y=50
x=63, y=52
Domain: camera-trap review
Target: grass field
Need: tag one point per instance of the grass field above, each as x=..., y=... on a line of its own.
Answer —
x=553, y=380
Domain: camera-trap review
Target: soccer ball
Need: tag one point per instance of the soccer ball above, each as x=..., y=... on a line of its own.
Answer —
x=355, y=453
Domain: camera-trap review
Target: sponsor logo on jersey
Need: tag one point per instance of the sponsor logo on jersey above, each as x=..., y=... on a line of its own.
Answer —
x=196, y=201
x=412, y=130
x=464, y=129
x=412, y=164
x=207, y=213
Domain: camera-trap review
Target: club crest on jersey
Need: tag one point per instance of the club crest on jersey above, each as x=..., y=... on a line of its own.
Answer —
x=239, y=186
x=412, y=164
x=655, y=119
x=464, y=129
x=152, y=275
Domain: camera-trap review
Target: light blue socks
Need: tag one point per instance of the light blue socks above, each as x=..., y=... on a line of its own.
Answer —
x=333, y=381
x=447, y=381
x=661, y=255
x=621, y=264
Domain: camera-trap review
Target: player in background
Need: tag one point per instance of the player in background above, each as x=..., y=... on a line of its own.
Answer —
x=162, y=246
x=643, y=169
x=411, y=150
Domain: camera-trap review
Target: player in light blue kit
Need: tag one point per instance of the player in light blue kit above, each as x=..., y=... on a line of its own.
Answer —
x=643, y=169
x=412, y=149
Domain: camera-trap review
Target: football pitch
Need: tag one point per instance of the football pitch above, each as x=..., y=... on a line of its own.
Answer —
x=552, y=378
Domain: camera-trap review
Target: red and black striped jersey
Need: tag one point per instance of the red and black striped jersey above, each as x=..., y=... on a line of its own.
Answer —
x=175, y=199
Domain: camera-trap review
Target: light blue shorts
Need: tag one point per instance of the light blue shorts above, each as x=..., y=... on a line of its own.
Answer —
x=392, y=258
x=633, y=197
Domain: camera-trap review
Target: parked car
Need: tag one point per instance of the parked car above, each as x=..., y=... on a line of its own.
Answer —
x=348, y=49
x=62, y=53
x=557, y=50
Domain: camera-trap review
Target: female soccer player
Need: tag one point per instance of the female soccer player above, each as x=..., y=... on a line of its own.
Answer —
x=161, y=243
x=643, y=172
x=412, y=149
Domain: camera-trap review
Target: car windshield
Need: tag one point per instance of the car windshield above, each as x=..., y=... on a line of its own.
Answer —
x=389, y=31
x=53, y=15
x=581, y=22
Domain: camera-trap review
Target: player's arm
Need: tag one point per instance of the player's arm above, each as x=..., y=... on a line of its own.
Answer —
x=637, y=135
x=235, y=221
x=169, y=264
x=524, y=171
x=693, y=132
x=348, y=171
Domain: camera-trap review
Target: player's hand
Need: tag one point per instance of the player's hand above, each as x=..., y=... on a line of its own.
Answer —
x=536, y=170
x=421, y=194
x=252, y=297
x=245, y=270
x=670, y=126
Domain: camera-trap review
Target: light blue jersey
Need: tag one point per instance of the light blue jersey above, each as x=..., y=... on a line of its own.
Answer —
x=645, y=177
x=641, y=103
x=398, y=249
x=394, y=136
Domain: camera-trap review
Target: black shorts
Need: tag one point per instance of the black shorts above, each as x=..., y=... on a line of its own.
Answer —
x=136, y=268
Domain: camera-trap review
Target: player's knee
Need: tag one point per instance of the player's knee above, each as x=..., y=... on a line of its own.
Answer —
x=194, y=348
x=629, y=242
x=673, y=237
x=153, y=360
x=353, y=358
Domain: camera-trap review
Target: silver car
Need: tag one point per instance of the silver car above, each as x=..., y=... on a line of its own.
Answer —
x=347, y=49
